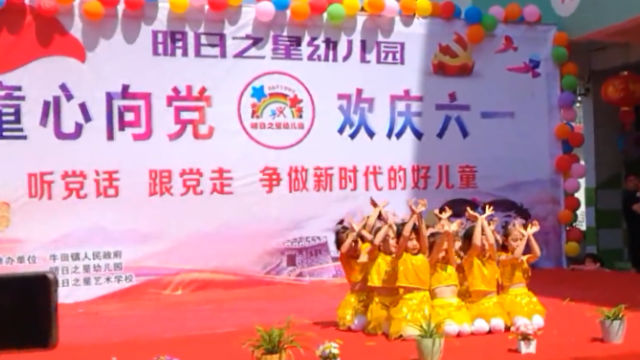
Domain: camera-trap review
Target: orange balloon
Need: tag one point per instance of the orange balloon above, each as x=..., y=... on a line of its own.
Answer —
x=512, y=12
x=565, y=217
x=561, y=38
x=563, y=131
x=569, y=68
x=93, y=10
x=435, y=9
x=475, y=33
x=300, y=10
x=408, y=7
x=374, y=6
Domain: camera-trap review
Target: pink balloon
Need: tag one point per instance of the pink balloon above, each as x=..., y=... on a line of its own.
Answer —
x=265, y=11
x=578, y=170
x=571, y=186
x=197, y=4
x=391, y=8
x=497, y=11
x=568, y=114
x=531, y=13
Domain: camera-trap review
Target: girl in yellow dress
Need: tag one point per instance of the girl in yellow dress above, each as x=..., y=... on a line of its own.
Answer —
x=353, y=308
x=482, y=273
x=382, y=279
x=447, y=309
x=521, y=305
x=412, y=309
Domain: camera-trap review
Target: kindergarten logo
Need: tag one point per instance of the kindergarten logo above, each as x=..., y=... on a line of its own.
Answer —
x=276, y=110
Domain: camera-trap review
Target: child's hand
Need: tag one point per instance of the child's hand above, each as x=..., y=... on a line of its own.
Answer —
x=533, y=228
x=376, y=205
x=444, y=214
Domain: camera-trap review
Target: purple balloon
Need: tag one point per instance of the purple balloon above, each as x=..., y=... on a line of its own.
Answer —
x=571, y=186
x=578, y=170
x=566, y=99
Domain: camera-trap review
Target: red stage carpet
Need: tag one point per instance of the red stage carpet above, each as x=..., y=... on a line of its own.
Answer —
x=208, y=316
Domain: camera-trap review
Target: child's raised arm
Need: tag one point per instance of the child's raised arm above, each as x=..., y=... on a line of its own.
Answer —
x=533, y=244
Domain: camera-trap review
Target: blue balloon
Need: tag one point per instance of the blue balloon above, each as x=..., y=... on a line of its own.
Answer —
x=521, y=19
x=458, y=12
x=2, y=3
x=473, y=15
x=570, y=125
x=566, y=147
x=281, y=5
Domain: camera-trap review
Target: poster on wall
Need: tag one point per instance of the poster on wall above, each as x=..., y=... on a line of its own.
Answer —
x=140, y=149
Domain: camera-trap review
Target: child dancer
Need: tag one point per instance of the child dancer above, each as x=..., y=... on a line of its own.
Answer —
x=382, y=279
x=353, y=308
x=413, y=305
x=447, y=309
x=482, y=275
x=521, y=305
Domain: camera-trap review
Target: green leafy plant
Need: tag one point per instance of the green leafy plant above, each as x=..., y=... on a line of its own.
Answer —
x=428, y=330
x=273, y=341
x=613, y=314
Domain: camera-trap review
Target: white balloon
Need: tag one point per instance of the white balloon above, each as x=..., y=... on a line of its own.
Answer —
x=391, y=8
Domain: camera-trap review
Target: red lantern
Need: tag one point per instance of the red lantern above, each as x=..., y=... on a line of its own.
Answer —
x=623, y=90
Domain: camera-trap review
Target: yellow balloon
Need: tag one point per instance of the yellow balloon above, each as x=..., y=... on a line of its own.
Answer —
x=351, y=7
x=423, y=8
x=234, y=2
x=179, y=6
x=572, y=249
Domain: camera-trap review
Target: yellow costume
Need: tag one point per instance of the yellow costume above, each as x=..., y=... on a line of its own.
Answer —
x=413, y=305
x=482, y=276
x=452, y=308
x=355, y=303
x=518, y=301
x=382, y=279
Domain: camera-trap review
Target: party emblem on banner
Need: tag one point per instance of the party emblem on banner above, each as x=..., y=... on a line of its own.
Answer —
x=276, y=110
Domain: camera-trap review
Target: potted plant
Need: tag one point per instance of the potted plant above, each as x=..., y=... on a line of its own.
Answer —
x=330, y=350
x=613, y=324
x=274, y=343
x=526, y=334
x=429, y=341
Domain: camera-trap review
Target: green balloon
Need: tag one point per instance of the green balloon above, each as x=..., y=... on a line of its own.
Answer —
x=336, y=13
x=560, y=55
x=569, y=83
x=489, y=22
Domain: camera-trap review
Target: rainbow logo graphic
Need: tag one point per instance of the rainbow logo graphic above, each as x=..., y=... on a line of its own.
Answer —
x=276, y=110
x=275, y=105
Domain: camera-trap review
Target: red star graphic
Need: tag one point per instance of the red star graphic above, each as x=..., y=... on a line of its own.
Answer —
x=294, y=101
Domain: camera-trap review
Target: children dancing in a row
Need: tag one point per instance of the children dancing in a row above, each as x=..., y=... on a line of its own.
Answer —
x=405, y=274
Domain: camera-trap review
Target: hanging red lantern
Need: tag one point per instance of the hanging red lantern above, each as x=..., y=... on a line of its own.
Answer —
x=623, y=91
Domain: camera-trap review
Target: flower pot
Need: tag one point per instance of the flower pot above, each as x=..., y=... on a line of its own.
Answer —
x=527, y=346
x=272, y=357
x=429, y=348
x=613, y=330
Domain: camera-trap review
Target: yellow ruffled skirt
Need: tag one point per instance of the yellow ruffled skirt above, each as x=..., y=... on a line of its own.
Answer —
x=354, y=303
x=487, y=308
x=411, y=311
x=521, y=302
x=379, y=313
x=449, y=309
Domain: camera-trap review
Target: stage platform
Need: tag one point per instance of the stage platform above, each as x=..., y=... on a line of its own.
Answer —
x=207, y=316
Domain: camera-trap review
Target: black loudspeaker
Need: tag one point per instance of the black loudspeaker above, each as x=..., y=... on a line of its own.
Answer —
x=28, y=311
